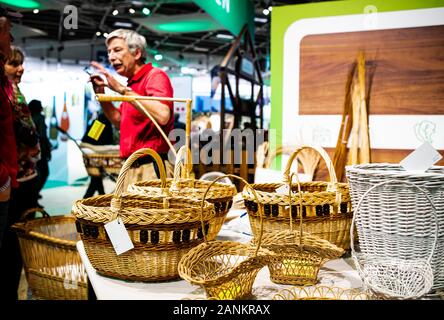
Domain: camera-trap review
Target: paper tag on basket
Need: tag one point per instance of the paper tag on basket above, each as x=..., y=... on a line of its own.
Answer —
x=96, y=130
x=118, y=235
x=282, y=189
x=421, y=159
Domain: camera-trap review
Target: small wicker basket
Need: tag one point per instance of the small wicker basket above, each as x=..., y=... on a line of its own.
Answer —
x=107, y=160
x=162, y=229
x=298, y=256
x=381, y=270
x=225, y=269
x=221, y=194
x=53, y=268
x=321, y=293
x=326, y=207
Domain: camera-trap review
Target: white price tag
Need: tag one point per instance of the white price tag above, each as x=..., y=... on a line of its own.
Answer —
x=283, y=190
x=119, y=236
x=421, y=159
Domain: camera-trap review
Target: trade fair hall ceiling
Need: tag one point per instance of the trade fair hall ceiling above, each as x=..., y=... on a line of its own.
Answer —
x=179, y=30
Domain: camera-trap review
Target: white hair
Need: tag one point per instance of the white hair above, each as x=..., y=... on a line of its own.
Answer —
x=132, y=39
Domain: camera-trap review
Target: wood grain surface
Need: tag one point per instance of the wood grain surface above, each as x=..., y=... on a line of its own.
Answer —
x=406, y=67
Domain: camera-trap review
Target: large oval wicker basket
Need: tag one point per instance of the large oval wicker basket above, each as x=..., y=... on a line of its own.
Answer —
x=53, y=268
x=99, y=159
x=221, y=194
x=162, y=229
x=326, y=206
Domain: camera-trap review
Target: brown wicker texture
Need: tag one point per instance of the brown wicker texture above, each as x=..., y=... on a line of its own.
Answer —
x=326, y=206
x=101, y=159
x=162, y=229
x=299, y=255
x=225, y=269
x=322, y=293
x=53, y=268
x=221, y=194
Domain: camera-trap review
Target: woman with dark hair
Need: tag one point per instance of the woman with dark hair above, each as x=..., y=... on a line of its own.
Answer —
x=24, y=196
x=35, y=106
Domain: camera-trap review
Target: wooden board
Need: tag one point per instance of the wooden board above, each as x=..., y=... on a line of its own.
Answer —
x=407, y=63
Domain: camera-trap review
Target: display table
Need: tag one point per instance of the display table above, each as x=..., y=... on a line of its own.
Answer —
x=338, y=273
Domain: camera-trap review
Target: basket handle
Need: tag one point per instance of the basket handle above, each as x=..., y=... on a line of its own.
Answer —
x=116, y=201
x=182, y=166
x=323, y=154
x=355, y=214
x=255, y=196
x=25, y=214
x=300, y=204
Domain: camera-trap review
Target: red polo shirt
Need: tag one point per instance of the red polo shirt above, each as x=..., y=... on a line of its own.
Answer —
x=136, y=129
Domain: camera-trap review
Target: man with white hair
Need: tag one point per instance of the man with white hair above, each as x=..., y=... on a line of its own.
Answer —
x=127, y=55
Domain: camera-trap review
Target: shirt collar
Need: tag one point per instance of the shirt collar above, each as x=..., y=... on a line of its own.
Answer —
x=140, y=74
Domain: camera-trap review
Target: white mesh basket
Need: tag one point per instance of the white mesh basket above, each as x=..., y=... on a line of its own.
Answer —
x=362, y=177
x=397, y=240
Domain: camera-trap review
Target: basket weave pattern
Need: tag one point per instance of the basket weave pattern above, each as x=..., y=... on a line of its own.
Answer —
x=53, y=268
x=162, y=229
x=415, y=223
x=321, y=293
x=111, y=163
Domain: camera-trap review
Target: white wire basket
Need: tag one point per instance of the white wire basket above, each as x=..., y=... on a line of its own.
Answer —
x=390, y=230
x=362, y=177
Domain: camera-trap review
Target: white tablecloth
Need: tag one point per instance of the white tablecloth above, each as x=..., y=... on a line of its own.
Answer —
x=338, y=273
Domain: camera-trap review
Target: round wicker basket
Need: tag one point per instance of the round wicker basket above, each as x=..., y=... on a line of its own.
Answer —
x=326, y=206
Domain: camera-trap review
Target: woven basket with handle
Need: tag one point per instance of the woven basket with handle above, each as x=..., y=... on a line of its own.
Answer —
x=298, y=256
x=221, y=194
x=101, y=158
x=53, y=268
x=225, y=269
x=395, y=254
x=162, y=228
x=326, y=206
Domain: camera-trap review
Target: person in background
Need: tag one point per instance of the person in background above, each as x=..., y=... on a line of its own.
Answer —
x=105, y=138
x=127, y=55
x=35, y=106
x=177, y=123
x=8, y=153
x=25, y=196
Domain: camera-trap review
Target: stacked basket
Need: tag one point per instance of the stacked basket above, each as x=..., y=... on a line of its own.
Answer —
x=162, y=229
x=363, y=177
x=326, y=206
x=221, y=194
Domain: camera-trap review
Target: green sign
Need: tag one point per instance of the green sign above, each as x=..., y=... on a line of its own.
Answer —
x=232, y=14
x=26, y=4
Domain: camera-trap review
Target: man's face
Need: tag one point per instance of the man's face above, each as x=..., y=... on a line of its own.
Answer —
x=14, y=71
x=5, y=36
x=121, y=58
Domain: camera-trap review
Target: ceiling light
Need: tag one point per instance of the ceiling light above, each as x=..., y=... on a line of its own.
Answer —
x=105, y=34
x=26, y=4
x=200, y=49
x=123, y=24
x=158, y=57
x=132, y=11
x=224, y=36
x=262, y=20
x=266, y=12
x=270, y=8
x=146, y=11
x=115, y=12
x=98, y=33
x=35, y=11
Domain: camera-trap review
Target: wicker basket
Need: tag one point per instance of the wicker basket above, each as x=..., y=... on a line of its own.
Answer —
x=396, y=240
x=321, y=293
x=326, y=207
x=362, y=177
x=102, y=158
x=298, y=256
x=221, y=194
x=53, y=268
x=225, y=269
x=162, y=229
